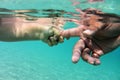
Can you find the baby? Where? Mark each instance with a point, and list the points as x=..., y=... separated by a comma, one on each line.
x=14, y=28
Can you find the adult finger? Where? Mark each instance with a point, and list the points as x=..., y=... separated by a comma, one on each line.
x=97, y=61
x=79, y=46
x=86, y=56
x=97, y=53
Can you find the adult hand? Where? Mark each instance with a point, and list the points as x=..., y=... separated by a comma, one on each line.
x=103, y=31
x=100, y=34
x=80, y=49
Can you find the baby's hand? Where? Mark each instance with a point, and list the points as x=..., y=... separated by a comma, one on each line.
x=51, y=37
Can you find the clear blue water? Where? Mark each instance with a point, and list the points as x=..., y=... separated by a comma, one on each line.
x=34, y=60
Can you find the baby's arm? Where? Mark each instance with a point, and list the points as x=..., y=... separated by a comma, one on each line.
x=40, y=30
x=19, y=30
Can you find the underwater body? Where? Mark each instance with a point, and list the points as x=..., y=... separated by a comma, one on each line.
x=34, y=60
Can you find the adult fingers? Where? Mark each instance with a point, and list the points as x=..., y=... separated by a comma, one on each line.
x=73, y=32
x=92, y=53
x=97, y=61
x=79, y=46
x=88, y=58
x=97, y=51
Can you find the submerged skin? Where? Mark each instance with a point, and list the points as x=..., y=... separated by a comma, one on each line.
x=104, y=32
x=19, y=29
x=96, y=34
x=99, y=33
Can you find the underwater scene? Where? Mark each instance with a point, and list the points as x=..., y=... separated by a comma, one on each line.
x=35, y=60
